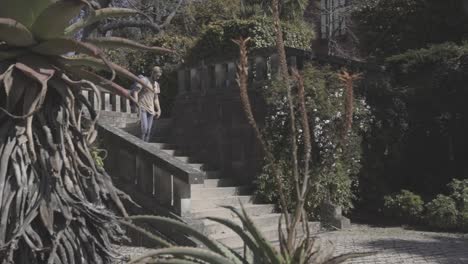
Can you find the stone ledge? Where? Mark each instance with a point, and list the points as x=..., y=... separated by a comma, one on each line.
x=173, y=165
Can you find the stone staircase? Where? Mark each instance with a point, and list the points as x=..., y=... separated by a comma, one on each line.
x=208, y=198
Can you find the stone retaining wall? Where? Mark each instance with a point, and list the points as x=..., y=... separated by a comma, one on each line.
x=150, y=173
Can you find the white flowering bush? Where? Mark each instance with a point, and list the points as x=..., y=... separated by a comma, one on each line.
x=336, y=162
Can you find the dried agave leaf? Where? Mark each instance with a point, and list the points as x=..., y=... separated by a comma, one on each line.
x=14, y=33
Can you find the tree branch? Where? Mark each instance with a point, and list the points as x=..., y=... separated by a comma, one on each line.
x=129, y=23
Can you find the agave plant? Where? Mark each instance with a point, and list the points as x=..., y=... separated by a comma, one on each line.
x=257, y=249
x=55, y=203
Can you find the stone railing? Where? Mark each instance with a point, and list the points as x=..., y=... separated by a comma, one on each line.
x=109, y=102
x=221, y=76
x=148, y=174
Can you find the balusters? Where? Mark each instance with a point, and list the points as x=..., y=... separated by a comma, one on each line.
x=181, y=82
x=231, y=82
x=220, y=76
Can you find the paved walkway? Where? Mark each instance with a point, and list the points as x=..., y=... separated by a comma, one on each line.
x=397, y=245
x=392, y=246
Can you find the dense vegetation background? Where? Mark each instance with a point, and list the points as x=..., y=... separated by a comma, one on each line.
x=411, y=134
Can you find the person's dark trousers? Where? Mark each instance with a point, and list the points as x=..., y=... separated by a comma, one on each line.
x=146, y=125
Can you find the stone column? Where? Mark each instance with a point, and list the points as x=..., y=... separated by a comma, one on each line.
x=231, y=82
x=220, y=76
x=182, y=81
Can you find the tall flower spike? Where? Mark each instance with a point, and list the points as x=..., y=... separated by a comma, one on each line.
x=348, y=80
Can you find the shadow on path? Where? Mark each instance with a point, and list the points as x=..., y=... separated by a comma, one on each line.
x=428, y=249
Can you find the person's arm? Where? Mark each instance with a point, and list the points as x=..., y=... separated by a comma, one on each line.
x=158, y=107
x=136, y=90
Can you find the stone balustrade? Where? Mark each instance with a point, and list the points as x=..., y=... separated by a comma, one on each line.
x=109, y=101
x=222, y=76
x=151, y=176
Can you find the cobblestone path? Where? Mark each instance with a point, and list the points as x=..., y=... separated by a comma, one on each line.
x=392, y=246
x=397, y=245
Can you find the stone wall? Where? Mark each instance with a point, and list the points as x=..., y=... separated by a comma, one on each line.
x=208, y=120
x=152, y=176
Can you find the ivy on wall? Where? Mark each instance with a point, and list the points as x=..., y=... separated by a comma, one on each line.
x=215, y=42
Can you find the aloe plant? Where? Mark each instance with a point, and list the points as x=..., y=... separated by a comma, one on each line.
x=54, y=200
x=257, y=249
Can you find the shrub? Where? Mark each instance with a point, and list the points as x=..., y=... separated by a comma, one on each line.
x=216, y=40
x=463, y=221
x=335, y=168
x=441, y=213
x=405, y=206
x=459, y=192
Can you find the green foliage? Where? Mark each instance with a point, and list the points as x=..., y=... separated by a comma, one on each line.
x=216, y=40
x=393, y=26
x=463, y=220
x=98, y=155
x=419, y=137
x=267, y=188
x=413, y=61
x=203, y=13
x=459, y=192
x=405, y=206
x=441, y=213
x=335, y=166
x=289, y=9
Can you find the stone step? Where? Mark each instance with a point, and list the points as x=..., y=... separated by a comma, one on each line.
x=162, y=145
x=213, y=175
x=170, y=151
x=251, y=209
x=198, y=166
x=217, y=230
x=220, y=192
x=208, y=183
x=203, y=204
x=269, y=233
x=184, y=158
x=159, y=139
x=163, y=122
x=163, y=134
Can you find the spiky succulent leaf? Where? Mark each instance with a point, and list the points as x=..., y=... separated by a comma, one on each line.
x=14, y=33
x=195, y=253
x=159, y=240
x=52, y=22
x=23, y=11
x=345, y=257
x=116, y=42
x=10, y=54
x=246, y=238
x=273, y=256
x=174, y=261
x=97, y=16
x=183, y=228
x=61, y=46
x=97, y=64
x=102, y=82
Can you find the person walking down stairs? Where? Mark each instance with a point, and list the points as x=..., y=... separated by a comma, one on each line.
x=149, y=102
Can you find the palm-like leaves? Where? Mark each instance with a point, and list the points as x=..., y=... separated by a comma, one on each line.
x=53, y=197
